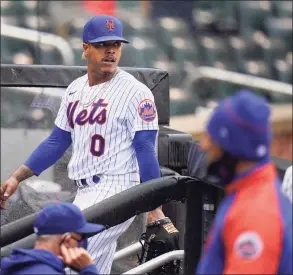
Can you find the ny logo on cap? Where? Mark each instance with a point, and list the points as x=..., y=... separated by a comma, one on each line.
x=110, y=25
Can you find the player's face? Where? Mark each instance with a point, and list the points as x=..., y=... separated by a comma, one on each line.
x=213, y=151
x=103, y=56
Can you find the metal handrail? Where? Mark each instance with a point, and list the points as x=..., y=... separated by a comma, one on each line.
x=40, y=37
x=157, y=262
x=128, y=251
x=197, y=73
x=247, y=80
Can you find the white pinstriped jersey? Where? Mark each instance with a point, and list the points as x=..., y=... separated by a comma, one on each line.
x=103, y=120
x=287, y=183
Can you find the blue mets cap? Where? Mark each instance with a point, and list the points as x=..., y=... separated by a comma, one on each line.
x=240, y=125
x=103, y=28
x=59, y=218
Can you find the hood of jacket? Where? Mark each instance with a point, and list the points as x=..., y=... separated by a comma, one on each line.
x=32, y=261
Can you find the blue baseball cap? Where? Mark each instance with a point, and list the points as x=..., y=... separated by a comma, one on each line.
x=63, y=217
x=240, y=125
x=103, y=28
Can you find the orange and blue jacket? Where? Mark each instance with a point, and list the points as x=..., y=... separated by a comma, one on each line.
x=252, y=231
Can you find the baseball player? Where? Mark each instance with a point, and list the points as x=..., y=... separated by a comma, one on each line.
x=110, y=118
x=252, y=230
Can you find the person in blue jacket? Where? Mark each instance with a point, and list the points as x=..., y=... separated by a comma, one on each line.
x=252, y=230
x=62, y=233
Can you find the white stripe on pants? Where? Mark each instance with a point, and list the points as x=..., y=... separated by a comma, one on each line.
x=102, y=246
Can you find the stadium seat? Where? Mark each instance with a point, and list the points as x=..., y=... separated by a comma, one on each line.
x=169, y=27
x=245, y=49
x=9, y=8
x=206, y=91
x=182, y=102
x=204, y=20
x=252, y=16
x=283, y=71
x=253, y=50
x=10, y=20
x=75, y=27
x=14, y=45
x=138, y=26
x=23, y=58
x=280, y=28
x=211, y=16
x=129, y=5
x=237, y=46
x=176, y=74
x=6, y=56
x=213, y=49
x=141, y=52
x=282, y=8
x=256, y=68
x=273, y=49
x=184, y=49
x=205, y=5
x=289, y=58
x=24, y=8
x=38, y=22
x=49, y=56
x=30, y=7
x=76, y=45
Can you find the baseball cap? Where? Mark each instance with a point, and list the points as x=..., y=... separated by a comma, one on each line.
x=59, y=218
x=103, y=28
x=240, y=125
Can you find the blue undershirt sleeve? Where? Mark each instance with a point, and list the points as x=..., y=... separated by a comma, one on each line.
x=144, y=145
x=49, y=151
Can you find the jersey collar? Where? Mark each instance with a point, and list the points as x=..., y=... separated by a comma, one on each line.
x=258, y=175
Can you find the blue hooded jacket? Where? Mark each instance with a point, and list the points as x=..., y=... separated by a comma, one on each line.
x=36, y=261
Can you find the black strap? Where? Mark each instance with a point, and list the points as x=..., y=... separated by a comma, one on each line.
x=159, y=222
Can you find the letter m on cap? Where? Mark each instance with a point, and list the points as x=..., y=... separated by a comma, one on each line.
x=110, y=25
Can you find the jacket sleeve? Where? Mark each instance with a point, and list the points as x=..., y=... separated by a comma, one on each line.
x=89, y=270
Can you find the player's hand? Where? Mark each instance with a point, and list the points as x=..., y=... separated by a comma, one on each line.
x=76, y=258
x=7, y=189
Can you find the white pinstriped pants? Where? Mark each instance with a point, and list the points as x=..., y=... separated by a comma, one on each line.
x=102, y=246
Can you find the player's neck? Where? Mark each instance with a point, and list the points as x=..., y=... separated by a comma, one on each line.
x=48, y=246
x=96, y=78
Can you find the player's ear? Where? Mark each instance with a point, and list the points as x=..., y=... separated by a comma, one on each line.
x=85, y=50
x=67, y=241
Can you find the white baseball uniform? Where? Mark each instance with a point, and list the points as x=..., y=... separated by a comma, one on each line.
x=287, y=183
x=102, y=120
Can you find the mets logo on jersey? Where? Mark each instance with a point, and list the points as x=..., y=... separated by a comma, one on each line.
x=147, y=110
x=249, y=245
x=110, y=25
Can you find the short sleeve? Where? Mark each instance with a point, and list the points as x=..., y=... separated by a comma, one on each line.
x=61, y=120
x=142, y=112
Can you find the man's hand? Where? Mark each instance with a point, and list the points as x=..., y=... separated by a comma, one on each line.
x=155, y=215
x=76, y=258
x=7, y=189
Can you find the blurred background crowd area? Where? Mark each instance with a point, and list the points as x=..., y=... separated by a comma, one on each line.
x=248, y=37
x=251, y=37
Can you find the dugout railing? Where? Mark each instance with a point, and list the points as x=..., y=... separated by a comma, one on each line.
x=191, y=217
